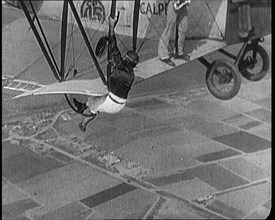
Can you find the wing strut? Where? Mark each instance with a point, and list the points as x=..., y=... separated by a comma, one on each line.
x=40, y=42
x=45, y=39
x=87, y=41
x=135, y=23
x=63, y=39
x=112, y=15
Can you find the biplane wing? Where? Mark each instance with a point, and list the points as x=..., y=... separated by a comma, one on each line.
x=209, y=32
x=84, y=87
x=144, y=70
x=154, y=66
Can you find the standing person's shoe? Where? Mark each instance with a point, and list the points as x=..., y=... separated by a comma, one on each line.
x=80, y=106
x=183, y=56
x=168, y=61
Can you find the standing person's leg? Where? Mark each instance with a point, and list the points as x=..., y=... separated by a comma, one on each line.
x=247, y=17
x=244, y=19
x=182, y=23
x=163, y=46
x=240, y=18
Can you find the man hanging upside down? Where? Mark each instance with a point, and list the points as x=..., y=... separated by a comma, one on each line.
x=119, y=82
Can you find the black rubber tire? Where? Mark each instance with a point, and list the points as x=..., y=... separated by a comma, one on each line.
x=245, y=73
x=235, y=76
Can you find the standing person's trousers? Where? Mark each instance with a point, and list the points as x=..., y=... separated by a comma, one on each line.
x=173, y=18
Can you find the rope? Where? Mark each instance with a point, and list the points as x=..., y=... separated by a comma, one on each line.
x=143, y=41
x=82, y=51
x=160, y=35
x=70, y=40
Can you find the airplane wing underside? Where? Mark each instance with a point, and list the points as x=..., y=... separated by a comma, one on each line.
x=154, y=66
x=85, y=87
x=144, y=70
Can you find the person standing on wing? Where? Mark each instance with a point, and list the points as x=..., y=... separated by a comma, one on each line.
x=244, y=14
x=177, y=13
x=119, y=83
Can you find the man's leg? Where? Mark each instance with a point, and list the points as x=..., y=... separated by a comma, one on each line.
x=81, y=107
x=182, y=24
x=163, y=46
x=84, y=123
x=92, y=104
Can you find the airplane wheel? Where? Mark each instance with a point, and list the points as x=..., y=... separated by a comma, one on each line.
x=223, y=79
x=256, y=68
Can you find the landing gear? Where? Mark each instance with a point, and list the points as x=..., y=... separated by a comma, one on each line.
x=254, y=62
x=223, y=79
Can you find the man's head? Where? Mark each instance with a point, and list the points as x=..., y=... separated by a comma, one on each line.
x=132, y=58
